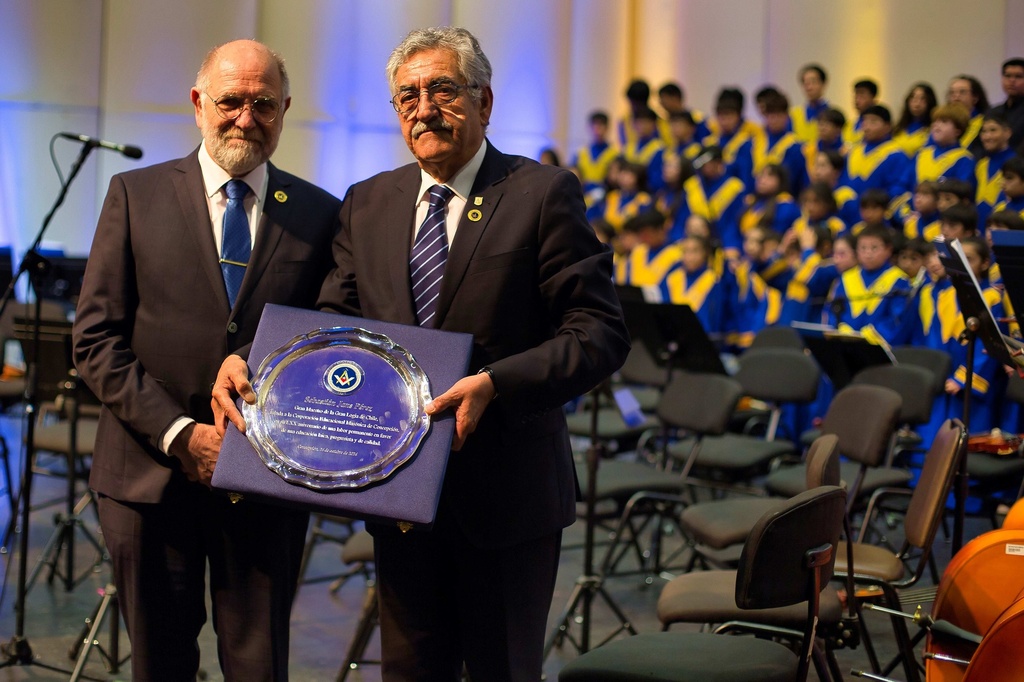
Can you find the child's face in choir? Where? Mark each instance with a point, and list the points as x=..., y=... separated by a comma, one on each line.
x=767, y=184
x=843, y=256
x=872, y=214
x=872, y=253
x=823, y=171
x=925, y=202
x=934, y=266
x=917, y=103
x=862, y=99
x=753, y=245
x=979, y=266
x=813, y=207
x=814, y=88
x=728, y=121
x=694, y=255
x=875, y=129
x=682, y=131
x=776, y=122
x=994, y=137
x=951, y=230
x=945, y=133
x=599, y=130
x=909, y=262
x=1013, y=185
x=945, y=200
x=627, y=180
x=827, y=131
x=696, y=226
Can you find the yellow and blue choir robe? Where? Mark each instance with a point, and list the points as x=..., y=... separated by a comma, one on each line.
x=786, y=213
x=627, y=133
x=738, y=150
x=876, y=165
x=617, y=207
x=804, y=119
x=685, y=150
x=927, y=226
x=703, y=292
x=912, y=139
x=721, y=202
x=647, y=266
x=834, y=224
x=848, y=204
x=809, y=287
x=592, y=163
x=852, y=133
x=971, y=140
x=934, y=162
x=649, y=153
x=751, y=304
x=1005, y=204
x=988, y=174
x=785, y=150
x=873, y=302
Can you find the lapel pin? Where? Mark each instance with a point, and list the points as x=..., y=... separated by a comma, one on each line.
x=478, y=201
x=475, y=215
x=280, y=196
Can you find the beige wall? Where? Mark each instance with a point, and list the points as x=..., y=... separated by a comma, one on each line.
x=121, y=70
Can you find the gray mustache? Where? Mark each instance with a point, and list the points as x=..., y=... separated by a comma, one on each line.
x=433, y=124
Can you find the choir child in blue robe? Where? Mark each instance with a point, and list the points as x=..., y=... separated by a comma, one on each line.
x=830, y=168
x=715, y=195
x=813, y=81
x=626, y=199
x=647, y=148
x=872, y=298
x=697, y=285
x=873, y=206
x=652, y=256
x=771, y=203
x=672, y=99
x=813, y=277
x=876, y=161
x=968, y=92
x=914, y=124
x=638, y=95
x=943, y=157
x=818, y=209
x=1012, y=197
x=593, y=160
x=779, y=144
x=686, y=136
x=923, y=221
x=959, y=222
x=865, y=96
x=735, y=136
x=988, y=172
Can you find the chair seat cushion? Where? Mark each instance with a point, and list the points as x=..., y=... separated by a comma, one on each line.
x=710, y=597
x=57, y=437
x=721, y=523
x=879, y=563
x=610, y=424
x=733, y=452
x=679, y=657
x=790, y=481
x=358, y=548
x=983, y=466
x=618, y=479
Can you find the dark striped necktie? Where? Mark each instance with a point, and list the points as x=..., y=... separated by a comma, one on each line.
x=236, y=242
x=429, y=254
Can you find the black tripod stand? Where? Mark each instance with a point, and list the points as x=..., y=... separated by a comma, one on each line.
x=88, y=638
x=590, y=584
x=18, y=650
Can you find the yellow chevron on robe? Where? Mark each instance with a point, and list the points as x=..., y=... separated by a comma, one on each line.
x=711, y=209
x=860, y=165
x=694, y=295
x=863, y=299
x=931, y=167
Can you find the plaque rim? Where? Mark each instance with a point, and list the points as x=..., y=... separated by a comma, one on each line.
x=385, y=348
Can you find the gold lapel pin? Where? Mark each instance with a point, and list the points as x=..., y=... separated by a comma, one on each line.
x=280, y=196
x=478, y=201
x=475, y=215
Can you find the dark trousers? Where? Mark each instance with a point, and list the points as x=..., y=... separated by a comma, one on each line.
x=444, y=602
x=160, y=552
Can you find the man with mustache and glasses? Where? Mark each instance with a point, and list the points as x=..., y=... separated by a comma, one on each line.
x=185, y=256
x=520, y=269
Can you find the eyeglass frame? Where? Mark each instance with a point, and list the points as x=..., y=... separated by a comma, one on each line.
x=245, y=103
x=430, y=97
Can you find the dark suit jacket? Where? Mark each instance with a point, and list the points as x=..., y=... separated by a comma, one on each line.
x=153, y=323
x=532, y=284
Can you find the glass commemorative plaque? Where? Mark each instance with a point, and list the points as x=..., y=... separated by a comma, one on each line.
x=338, y=408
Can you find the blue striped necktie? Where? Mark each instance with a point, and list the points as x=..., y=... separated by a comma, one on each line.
x=429, y=254
x=236, y=243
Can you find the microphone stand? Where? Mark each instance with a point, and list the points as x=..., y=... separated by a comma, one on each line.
x=961, y=485
x=18, y=651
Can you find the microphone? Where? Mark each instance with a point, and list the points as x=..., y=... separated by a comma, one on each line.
x=128, y=150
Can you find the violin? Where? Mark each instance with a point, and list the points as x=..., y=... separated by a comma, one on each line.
x=994, y=443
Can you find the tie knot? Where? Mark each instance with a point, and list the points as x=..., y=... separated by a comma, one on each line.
x=236, y=189
x=439, y=195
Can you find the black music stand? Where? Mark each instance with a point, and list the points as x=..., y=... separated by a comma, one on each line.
x=979, y=324
x=841, y=355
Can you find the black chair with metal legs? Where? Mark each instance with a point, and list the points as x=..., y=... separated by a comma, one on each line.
x=357, y=553
x=787, y=558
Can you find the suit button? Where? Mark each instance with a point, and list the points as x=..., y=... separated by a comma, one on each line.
x=232, y=328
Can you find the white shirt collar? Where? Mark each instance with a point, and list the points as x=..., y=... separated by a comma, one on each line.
x=462, y=182
x=214, y=177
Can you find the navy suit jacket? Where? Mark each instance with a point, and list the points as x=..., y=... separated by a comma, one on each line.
x=527, y=277
x=153, y=323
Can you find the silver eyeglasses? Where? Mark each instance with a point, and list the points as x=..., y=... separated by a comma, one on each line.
x=230, y=107
x=439, y=93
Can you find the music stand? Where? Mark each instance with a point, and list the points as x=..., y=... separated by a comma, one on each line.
x=979, y=323
x=841, y=355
